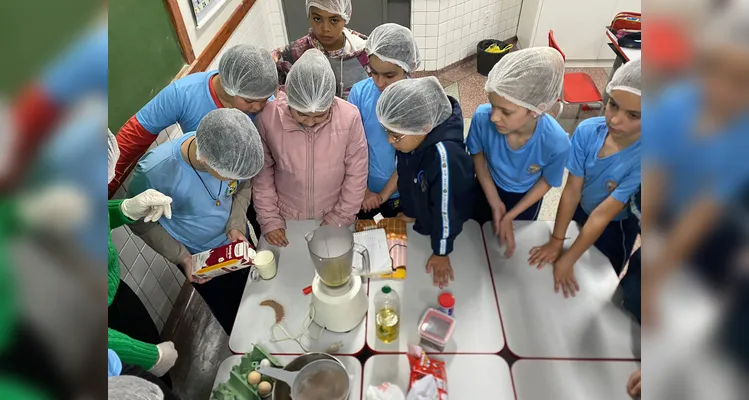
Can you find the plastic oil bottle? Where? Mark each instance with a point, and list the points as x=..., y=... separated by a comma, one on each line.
x=387, y=317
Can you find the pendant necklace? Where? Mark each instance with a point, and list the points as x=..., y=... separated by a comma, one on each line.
x=221, y=185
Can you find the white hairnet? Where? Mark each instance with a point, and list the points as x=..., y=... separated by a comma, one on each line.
x=113, y=155
x=310, y=85
x=338, y=7
x=132, y=388
x=531, y=78
x=248, y=72
x=395, y=44
x=628, y=78
x=228, y=142
x=413, y=106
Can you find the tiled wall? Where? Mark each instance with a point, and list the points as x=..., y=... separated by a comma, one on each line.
x=156, y=281
x=447, y=31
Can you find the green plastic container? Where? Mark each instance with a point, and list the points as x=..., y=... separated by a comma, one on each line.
x=237, y=387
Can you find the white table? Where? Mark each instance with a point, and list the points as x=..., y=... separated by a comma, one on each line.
x=469, y=376
x=295, y=272
x=353, y=366
x=478, y=328
x=572, y=380
x=626, y=53
x=541, y=323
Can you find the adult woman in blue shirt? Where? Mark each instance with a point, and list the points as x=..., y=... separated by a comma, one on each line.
x=393, y=56
x=519, y=151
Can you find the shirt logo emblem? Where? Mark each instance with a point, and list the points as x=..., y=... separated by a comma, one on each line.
x=231, y=188
x=611, y=185
x=534, y=168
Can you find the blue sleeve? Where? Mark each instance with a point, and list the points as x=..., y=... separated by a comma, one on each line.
x=162, y=111
x=114, y=365
x=353, y=96
x=554, y=171
x=445, y=175
x=577, y=153
x=629, y=185
x=473, y=142
x=82, y=69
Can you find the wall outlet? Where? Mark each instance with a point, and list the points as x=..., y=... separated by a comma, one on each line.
x=487, y=18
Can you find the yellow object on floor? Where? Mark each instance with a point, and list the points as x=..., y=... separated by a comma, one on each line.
x=494, y=49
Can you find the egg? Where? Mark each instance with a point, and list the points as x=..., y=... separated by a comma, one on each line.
x=265, y=363
x=264, y=388
x=254, y=377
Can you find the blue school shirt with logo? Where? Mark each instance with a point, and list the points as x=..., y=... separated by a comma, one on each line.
x=185, y=102
x=516, y=171
x=695, y=165
x=364, y=95
x=617, y=175
x=196, y=220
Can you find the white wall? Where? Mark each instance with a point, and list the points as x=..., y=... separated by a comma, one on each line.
x=447, y=31
x=156, y=281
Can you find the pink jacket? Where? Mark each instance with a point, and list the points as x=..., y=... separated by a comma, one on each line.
x=313, y=173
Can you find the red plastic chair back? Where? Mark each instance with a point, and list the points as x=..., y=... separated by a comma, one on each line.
x=553, y=44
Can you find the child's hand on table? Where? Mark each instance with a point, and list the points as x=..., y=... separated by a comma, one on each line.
x=277, y=238
x=546, y=254
x=564, y=277
x=443, y=271
x=507, y=235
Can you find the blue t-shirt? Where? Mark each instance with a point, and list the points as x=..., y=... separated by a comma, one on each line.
x=695, y=165
x=197, y=222
x=516, y=171
x=617, y=175
x=364, y=95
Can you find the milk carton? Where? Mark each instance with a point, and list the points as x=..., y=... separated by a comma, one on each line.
x=223, y=259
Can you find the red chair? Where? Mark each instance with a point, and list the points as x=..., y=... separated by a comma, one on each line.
x=578, y=87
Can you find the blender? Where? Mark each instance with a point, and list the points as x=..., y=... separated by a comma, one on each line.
x=339, y=298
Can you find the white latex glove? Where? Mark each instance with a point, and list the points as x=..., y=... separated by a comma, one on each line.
x=167, y=358
x=149, y=205
x=58, y=208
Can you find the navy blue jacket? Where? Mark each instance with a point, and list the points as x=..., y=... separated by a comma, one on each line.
x=436, y=183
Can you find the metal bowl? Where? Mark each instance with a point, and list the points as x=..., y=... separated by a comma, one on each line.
x=282, y=391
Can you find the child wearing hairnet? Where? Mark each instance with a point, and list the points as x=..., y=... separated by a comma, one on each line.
x=207, y=174
x=246, y=79
x=315, y=153
x=604, y=173
x=435, y=173
x=132, y=335
x=393, y=56
x=518, y=149
x=343, y=48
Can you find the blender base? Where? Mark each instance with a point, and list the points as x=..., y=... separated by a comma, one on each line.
x=340, y=313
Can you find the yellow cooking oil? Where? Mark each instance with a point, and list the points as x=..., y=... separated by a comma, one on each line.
x=387, y=314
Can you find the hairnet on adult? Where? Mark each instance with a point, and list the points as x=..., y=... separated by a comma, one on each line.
x=530, y=78
x=628, y=78
x=127, y=387
x=395, y=44
x=229, y=143
x=113, y=154
x=249, y=72
x=338, y=7
x=413, y=106
x=310, y=85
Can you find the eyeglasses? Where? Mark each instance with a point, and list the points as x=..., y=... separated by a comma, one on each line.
x=397, y=137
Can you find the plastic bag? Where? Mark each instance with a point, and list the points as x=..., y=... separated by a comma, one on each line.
x=386, y=391
x=421, y=367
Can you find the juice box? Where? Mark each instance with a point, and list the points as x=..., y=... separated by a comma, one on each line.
x=223, y=259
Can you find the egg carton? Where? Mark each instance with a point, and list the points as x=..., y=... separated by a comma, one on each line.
x=237, y=387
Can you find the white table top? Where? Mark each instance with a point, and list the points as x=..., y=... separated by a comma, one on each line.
x=572, y=380
x=630, y=54
x=469, y=376
x=353, y=366
x=295, y=272
x=478, y=328
x=541, y=323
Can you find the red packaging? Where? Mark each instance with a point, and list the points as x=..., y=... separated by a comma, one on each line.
x=223, y=259
x=422, y=365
